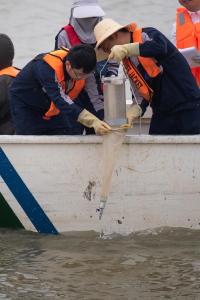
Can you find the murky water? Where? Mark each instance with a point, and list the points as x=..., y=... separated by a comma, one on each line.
x=163, y=264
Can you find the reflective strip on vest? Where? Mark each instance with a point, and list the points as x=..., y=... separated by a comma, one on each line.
x=55, y=60
x=148, y=64
x=143, y=88
x=187, y=35
x=10, y=71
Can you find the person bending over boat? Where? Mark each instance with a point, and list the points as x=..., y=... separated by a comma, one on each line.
x=158, y=73
x=45, y=92
x=7, y=73
x=85, y=14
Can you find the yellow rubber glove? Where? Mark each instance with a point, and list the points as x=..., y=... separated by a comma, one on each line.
x=119, y=52
x=133, y=113
x=89, y=120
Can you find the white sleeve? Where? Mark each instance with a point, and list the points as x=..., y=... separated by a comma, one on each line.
x=93, y=93
x=63, y=40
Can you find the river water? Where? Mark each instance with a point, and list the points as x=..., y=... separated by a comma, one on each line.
x=158, y=264
x=33, y=24
x=162, y=264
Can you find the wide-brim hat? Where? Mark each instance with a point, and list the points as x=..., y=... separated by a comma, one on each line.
x=105, y=28
x=87, y=9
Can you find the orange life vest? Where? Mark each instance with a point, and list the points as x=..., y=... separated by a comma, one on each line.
x=187, y=35
x=55, y=60
x=10, y=71
x=148, y=64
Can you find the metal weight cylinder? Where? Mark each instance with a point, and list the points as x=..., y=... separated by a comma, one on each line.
x=114, y=100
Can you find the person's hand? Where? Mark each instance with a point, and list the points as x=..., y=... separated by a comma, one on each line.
x=101, y=127
x=133, y=113
x=125, y=126
x=89, y=120
x=119, y=52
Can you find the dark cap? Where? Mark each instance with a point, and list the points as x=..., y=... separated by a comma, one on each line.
x=6, y=51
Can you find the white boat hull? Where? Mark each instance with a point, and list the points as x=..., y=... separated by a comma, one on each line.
x=155, y=183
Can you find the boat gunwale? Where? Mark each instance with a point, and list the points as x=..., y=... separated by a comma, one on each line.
x=80, y=139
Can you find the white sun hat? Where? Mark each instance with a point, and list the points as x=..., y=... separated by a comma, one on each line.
x=105, y=29
x=87, y=9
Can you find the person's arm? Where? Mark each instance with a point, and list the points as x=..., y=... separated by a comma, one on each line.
x=112, y=68
x=92, y=90
x=157, y=46
x=62, y=40
x=49, y=82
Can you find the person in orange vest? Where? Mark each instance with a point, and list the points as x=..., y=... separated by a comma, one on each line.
x=186, y=31
x=7, y=73
x=44, y=94
x=158, y=74
x=85, y=14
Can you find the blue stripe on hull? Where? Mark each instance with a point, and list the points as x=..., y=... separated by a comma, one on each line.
x=24, y=197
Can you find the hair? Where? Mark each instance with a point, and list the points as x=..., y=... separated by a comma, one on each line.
x=6, y=51
x=123, y=30
x=82, y=57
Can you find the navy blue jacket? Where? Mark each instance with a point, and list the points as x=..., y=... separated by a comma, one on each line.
x=175, y=89
x=36, y=85
x=31, y=93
